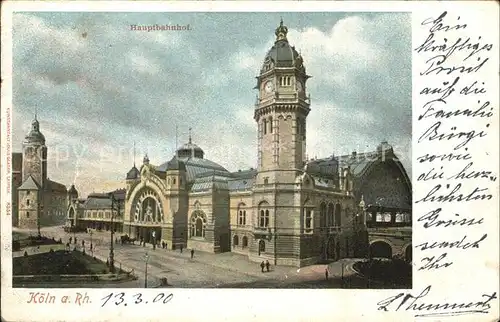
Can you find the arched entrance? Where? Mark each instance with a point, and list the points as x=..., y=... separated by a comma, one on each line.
x=244, y=242
x=380, y=249
x=235, y=240
x=262, y=246
x=408, y=254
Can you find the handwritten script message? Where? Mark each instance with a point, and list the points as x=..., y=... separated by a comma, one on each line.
x=454, y=117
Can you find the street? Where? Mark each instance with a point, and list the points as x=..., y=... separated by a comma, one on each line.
x=205, y=270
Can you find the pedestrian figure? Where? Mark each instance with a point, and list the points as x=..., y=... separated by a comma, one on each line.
x=91, y=246
x=192, y=253
x=70, y=239
x=326, y=273
x=166, y=245
x=267, y=265
x=181, y=248
x=262, y=265
x=83, y=243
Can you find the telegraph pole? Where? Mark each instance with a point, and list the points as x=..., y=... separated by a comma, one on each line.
x=111, y=251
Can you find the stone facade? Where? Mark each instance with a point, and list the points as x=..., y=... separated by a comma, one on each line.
x=289, y=210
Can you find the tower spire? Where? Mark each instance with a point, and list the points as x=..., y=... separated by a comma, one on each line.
x=190, y=141
x=176, y=141
x=134, y=154
x=36, y=108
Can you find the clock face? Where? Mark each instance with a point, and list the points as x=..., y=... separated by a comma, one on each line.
x=268, y=86
x=299, y=86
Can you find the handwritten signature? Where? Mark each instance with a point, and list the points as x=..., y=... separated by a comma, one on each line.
x=410, y=302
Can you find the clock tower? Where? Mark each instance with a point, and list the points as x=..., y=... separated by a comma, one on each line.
x=281, y=111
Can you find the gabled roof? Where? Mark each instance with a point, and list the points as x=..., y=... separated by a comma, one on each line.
x=29, y=184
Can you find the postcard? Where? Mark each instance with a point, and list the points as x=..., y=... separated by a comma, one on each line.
x=301, y=161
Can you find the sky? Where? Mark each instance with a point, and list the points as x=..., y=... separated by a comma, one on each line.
x=97, y=86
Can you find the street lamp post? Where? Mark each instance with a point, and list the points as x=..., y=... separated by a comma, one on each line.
x=91, y=245
x=146, y=272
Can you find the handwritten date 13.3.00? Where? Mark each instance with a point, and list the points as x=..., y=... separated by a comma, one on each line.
x=125, y=299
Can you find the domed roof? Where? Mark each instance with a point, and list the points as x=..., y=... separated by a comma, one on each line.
x=175, y=164
x=133, y=173
x=72, y=191
x=282, y=54
x=35, y=136
x=190, y=150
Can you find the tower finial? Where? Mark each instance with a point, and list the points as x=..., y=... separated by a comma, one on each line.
x=281, y=31
x=36, y=110
x=190, y=141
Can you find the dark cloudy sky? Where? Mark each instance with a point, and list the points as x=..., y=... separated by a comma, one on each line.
x=98, y=86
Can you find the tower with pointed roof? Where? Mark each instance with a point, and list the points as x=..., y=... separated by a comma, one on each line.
x=35, y=154
x=34, y=177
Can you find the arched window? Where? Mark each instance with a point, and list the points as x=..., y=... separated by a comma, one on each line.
x=263, y=217
x=173, y=181
x=322, y=215
x=264, y=126
x=235, y=240
x=308, y=220
x=330, y=215
x=242, y=214
x=244, y=242
x=338, y=215
x=271, y=124
x=198, y=224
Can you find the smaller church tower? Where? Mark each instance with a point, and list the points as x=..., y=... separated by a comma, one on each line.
x=35, y=155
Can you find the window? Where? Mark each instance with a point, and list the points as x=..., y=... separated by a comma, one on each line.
x=308, y=220
x=264, y=125
x=242, y=217
x=174, y=181
x=27, y=202
x=270, y=125
x=266, y=180
x=264, y=218
x=330, y=215
x=27, y=214
x=198, y=224
x=235, y=240
x=322, y=215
